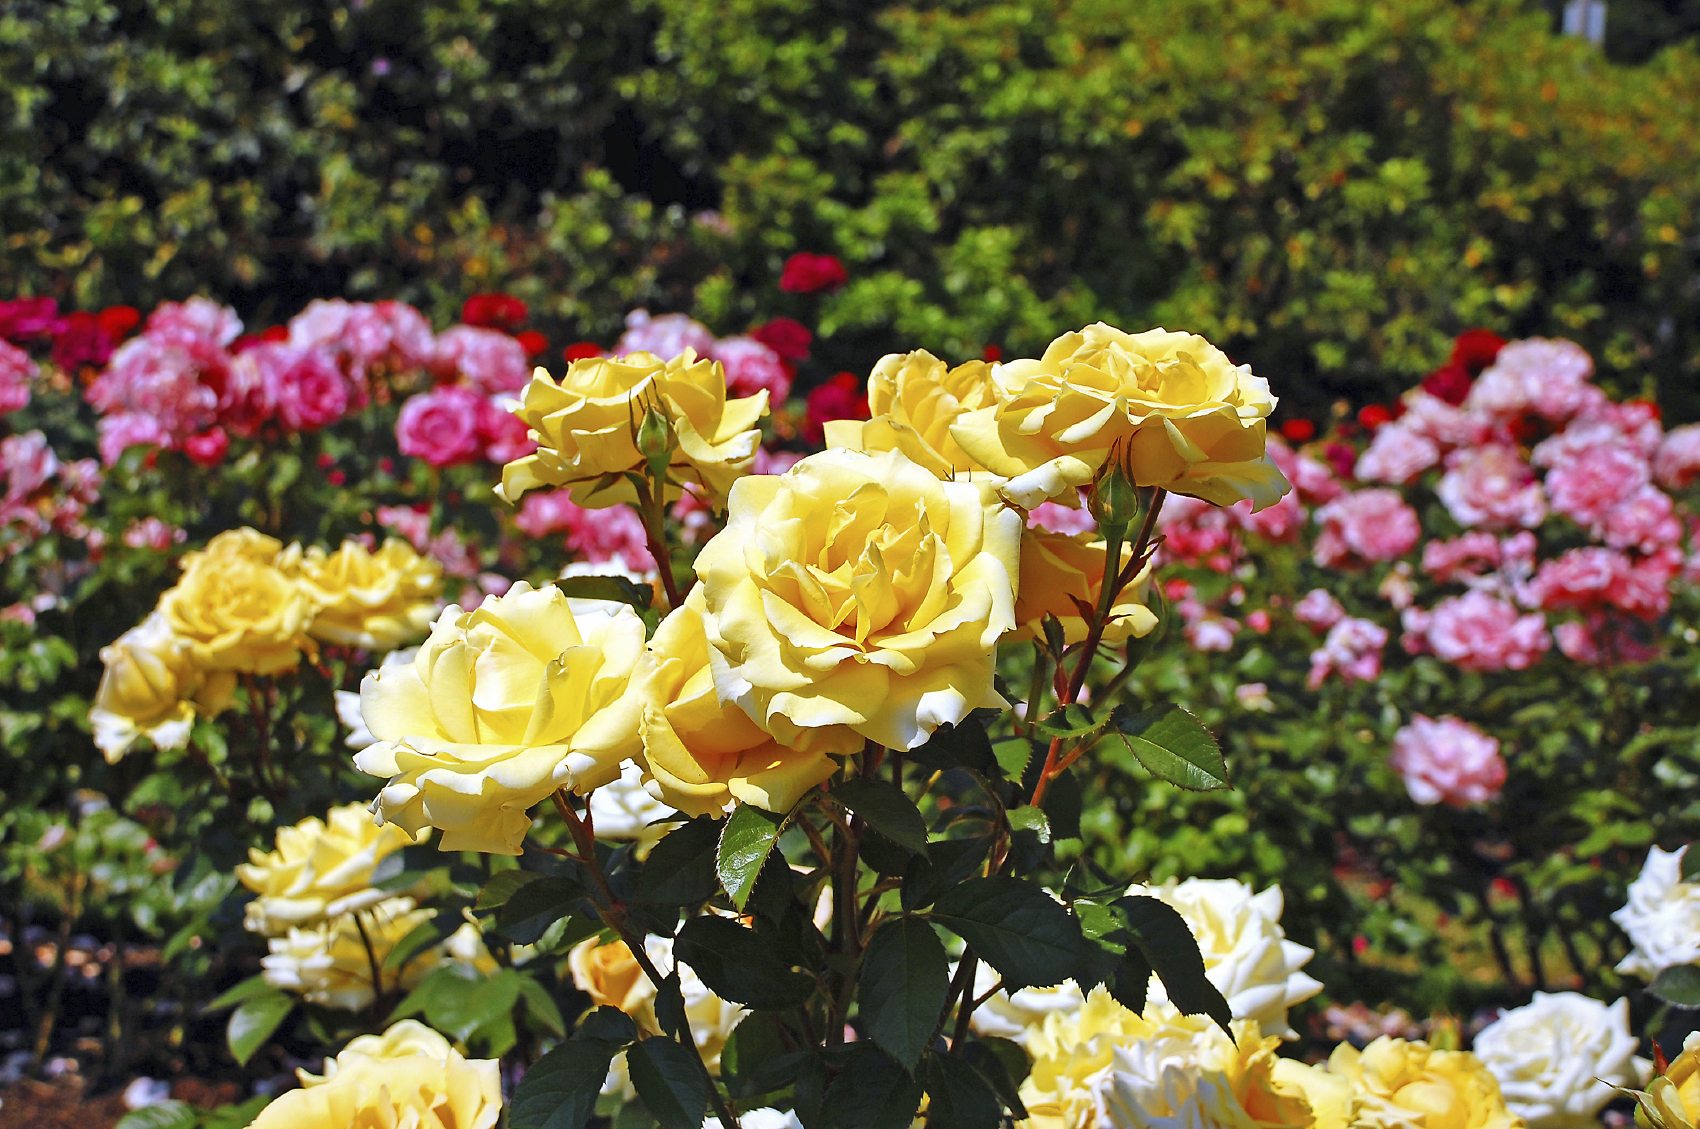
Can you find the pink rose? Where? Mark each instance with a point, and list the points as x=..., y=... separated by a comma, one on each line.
x=118, y=433
x=1677, y=462
x=666, y=336
x=1352, y=650
x=300, y=387
x=1365, y=527
x=1538, y=376
x=1058, y=518
x=1481, y=631
x=16, y=373
x=207, y=448
x=486, y=359
x=504, y=435
x=1595, y=479
x=1645, y=520
x=1447, y=761
x=198, y=317
x=1313, y=480
x=1603, y=640
x=1592, y=578
x=1319, y=610
x=441, y=426
x=1491, y=487
x=752, y=367
x=1397, y=454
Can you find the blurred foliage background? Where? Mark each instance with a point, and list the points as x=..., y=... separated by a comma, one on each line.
x=1328, y=188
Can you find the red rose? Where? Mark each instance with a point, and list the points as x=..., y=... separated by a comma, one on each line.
x=789, y=338
x=809, y=274
x=842, y=397
x=992, y=354
x=1373, y=416
x=581, y=350
x=1298, y=430
x=1449, y=382
x=207, y=448
x=119, y=320
x=493, y=311
x=532, y=342
x=82, y=340
x=1475, y=349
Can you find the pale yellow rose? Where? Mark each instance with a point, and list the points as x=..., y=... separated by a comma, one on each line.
x=328, y=963
x=151, y=688
x=500, y=707
x=859, y=597
x=1330, y=1097
x=319, y=868
x=379, y=601
x=585, y=426
x=1190, y=420
x=704, y=755
x=236, y=609
x=397, y=1081
x=1072, y=1054
x=913, y=399
x=1401, y=1083
x=1059, y=568
x=610, y=975
x=1672, y=1100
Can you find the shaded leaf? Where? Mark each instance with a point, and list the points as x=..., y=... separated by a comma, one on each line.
x=948, y=863
x=252, y=1023
x=957, y=1096
x=904, y=980
x=560, y=1089
x=736, y=967
x=1162, y=936
x=680, y=870
x=618, y=589
x=872, y=1091
x=1015, y=927
x=669, y=1080
x=1678, y=986
x=885, y=808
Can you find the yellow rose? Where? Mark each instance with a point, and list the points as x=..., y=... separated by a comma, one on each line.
x=150, y=688
x=1672, y=1100
x=401, y=1080
x=1329, y=1097
x=379, y=601
x=704, y=755
x=499, y=708
x=1193, y=422
x=913, y=399
x=327, y=962
x=1402, y=1082
x=610, y=975
x=236, y=609
x=319, y=868
x=585, y=426
x=858, y=596
x=1059, y=568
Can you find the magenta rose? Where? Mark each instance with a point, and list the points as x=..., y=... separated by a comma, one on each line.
x=441, y=426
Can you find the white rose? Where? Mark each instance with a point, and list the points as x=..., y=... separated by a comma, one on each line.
x=328, y=963
x=1662, y=917
x=623, y=810
x=765, y=1118
x=1246, y=952
x=1558, y=1058
x=1010, y=1015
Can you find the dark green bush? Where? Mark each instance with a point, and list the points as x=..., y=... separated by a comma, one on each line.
x=1329, y=188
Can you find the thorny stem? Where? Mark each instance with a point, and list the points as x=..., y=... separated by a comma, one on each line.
x=653, y=508
x=612, y=911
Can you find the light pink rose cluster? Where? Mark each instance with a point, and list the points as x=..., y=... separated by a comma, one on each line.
x=1351, y=651
x=751, y=365
x=486, y=360
x=1480, y=630
x=42, y=493
x=614, y=534
x=1676, y=463
x=1365, y=527
x=1447, y=761
x=1492, y=487
x=168, y=383
x=455, y=423
x=17, y=373
x=1539, y=377
x=366, y=338
x=1319, y=610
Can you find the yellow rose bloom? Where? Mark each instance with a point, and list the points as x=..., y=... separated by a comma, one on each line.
x=319, y=868
x=1192, y=420
x=497, y=709
x=1330, y=1097
x=1059, y=568
x=379, y=601
x=236, y=609
x=610, y=975
x=585, y=426
x=327, y=963
x=1672, y=1100
x=1402, y=1082
x=705, y=755
x=151, y=688
x=404, y=1079
x=858, y=597
x=913, y=398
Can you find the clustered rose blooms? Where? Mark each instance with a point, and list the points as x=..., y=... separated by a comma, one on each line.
x=1448, y=761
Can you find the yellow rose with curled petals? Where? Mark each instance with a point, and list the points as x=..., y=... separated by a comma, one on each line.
x=1192, y=421
x=913, y=398
x=611, y=976
x=151, y=688
x=704, y=755
x=497, y=709
x=236, y=609
x=1059, y=568
x=858, y=597
x=586, y=425
x=327, y=962
x=318, y=868
x=1402, y=1082
x=379, y=601
x=408, y=1078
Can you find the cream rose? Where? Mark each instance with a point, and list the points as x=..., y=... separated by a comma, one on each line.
x=913, y=398
x=1191, y=420
x=151, y=688
x=1186, y=1071
x=408, y=1077
x=609, y=974
x=1557, y=1059
x=1400, y=1083
x=318, y=869
x=378, y=601
x=500, y=707
x=585, y=426
x=1662, y=916
x=236, y=609
x=1058, y=568
x=858, y=597
x=1246, y=952
x=327, y=962
x=705, y=756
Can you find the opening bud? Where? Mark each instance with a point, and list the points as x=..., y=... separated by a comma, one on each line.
x=1114, y=499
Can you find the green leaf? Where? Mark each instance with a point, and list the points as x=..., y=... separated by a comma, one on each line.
x=957, y=746
x=1015, y=927
x=669, y=1079
x=503, y=886
x=165, y=1115
x=957, y=1096
x=948, y=863
x=421, y=936
x=737, y=967
x=242, y=990
x=904, y=980
x=1163, y=938
x=559, y=1091
x=756, y=1059
x=1173, y=745
x=1130, y=981
x=1678, y=986
x=253, y=1022
x=1004, y=1066
x=1072, y=721
x=464, y=1005
x=535, y=906
x=670, y=1006
x=617, y=589
x=1013, y=755
x=541, y=1006
x=1029, y=818
x=887, y=810
x=745, y=843
x=872, y=1091
x=680, y=869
